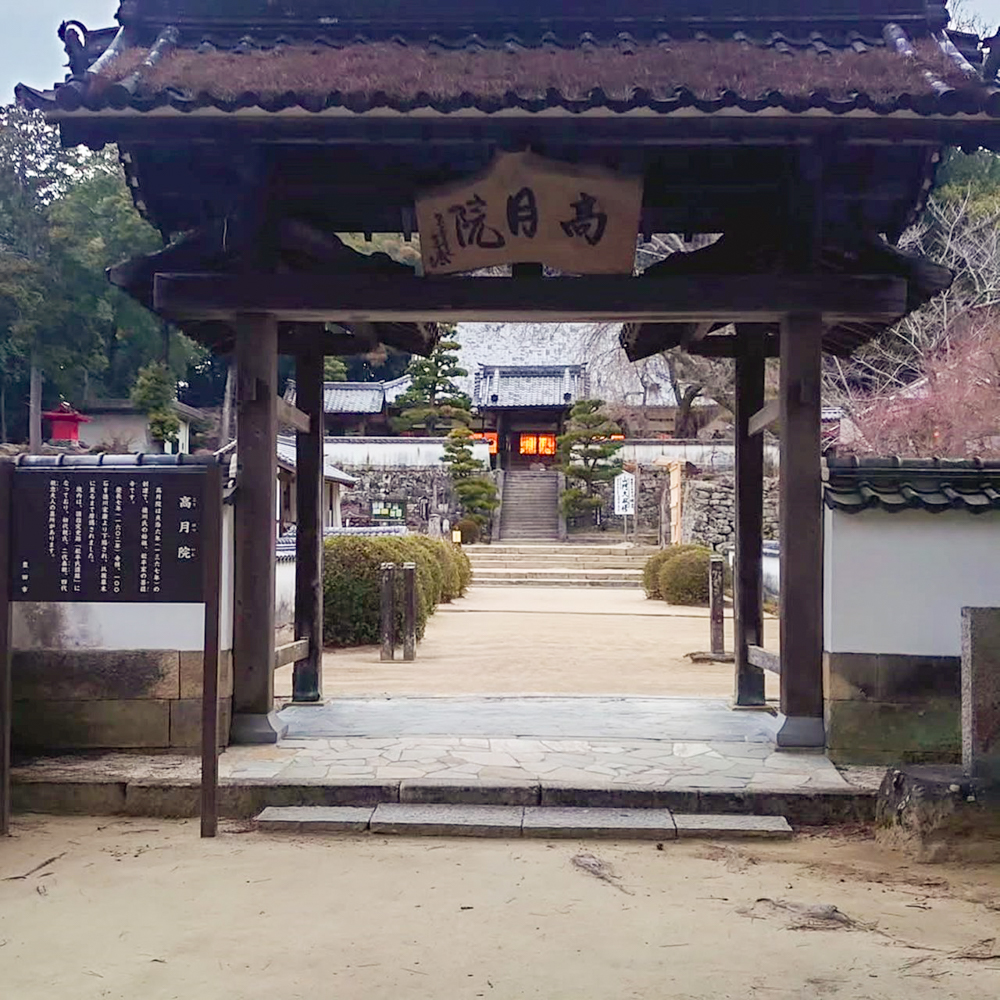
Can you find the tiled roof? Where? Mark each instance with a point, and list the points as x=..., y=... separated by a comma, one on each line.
x=353, y=397
x=286, y=456
x=542, y=385
x=852, y=485
x=610, y=376
x=669, y=61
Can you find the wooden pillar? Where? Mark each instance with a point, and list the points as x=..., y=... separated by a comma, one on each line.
x=255, y=529
x=801, y=534
x=748, y=586
x=307, y=673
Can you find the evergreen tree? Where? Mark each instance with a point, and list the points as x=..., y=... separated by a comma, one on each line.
x=433, y=401
x=477, y=495
x=154, y=393
x=334, y=369
x=587, y=456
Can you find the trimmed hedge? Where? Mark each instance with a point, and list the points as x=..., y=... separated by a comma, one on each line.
x=651, y=571
x=352, y=583
x=684, y=579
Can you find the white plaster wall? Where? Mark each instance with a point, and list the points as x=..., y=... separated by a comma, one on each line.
x=284, y=593
x=896, y=583
x=112, y=626
x=131, y=430
x=393, y=452
x=704, y=454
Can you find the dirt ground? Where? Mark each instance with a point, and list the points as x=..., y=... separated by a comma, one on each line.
x=144, y=909
x=540, y=640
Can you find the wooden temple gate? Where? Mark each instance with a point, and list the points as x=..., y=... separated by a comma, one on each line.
x=251, y=135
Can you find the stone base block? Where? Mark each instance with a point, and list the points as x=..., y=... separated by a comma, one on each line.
x=91, y=725
x=185, y=723
x=95, y=675
x=939, y=814
x=69, y=798
x=863, y=732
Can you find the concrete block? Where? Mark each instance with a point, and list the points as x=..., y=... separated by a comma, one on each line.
x=315, y=819
x=448, y=821
x=91, y=725
x=192, y=669
x=614, y=824
x=981, y=692
x=729, y=825
x=69, y=798
x=617, y=796
x=95, y=675
x=485, y=793
x=185, y=722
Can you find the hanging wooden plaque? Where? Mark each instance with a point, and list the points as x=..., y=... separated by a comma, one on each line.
x=525, y=208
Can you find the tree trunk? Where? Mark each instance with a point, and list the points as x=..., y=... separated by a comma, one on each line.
x=35, y=410
x=226, y=421
x=3, y=410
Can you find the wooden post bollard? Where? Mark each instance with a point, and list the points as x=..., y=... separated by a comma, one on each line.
x=388, y=631
x=409, y=611
x=716, y=604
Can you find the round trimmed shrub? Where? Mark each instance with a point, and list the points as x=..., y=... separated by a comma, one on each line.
x=684, y=579
x=471, y=532
x=651, y=571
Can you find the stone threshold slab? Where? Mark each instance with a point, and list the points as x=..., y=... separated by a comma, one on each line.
x=518, y=821
x=167, y=797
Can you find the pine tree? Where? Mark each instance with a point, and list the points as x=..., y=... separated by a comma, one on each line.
x=477, y=495
x=433, y=401
x=587, y=456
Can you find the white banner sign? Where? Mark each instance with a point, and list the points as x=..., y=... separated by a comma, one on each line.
x=624, y=494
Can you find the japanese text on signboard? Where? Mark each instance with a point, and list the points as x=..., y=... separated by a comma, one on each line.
x=91, y=534
x=525, y=208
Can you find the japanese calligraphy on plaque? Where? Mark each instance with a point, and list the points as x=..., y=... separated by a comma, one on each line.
x=527, y=209
x=95, y=534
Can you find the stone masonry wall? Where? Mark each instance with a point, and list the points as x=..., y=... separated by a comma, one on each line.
x=708, y=511
x=418, y=487
x=654, y=483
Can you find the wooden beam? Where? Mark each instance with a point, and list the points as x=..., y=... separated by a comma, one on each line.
x=291, y=652
x=801, y=533
x=696, y=334
x=6, y=689
x=292, y=416
x=353, y=298
x=255, y=526
x=307, y=675
x=769, y=413
x=764, y=660
x=748, y=590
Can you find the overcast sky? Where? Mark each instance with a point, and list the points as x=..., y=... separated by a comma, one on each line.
x=30, y=51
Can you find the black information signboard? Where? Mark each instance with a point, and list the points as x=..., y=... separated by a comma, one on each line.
x=93, y=533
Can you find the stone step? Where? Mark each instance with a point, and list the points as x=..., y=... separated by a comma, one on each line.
x=570, y=549
x=484, y=573
x=543, y=561
x=458, y=820
x=555, y=582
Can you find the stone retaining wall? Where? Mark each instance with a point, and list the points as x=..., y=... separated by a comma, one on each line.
x=708, y=511
x=652, y=503
x=426, y=491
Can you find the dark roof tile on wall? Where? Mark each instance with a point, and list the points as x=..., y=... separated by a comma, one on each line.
x=852, y=485
x=504, y=387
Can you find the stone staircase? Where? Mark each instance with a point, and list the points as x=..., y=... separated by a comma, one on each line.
x=530, y=508
x=557, y=565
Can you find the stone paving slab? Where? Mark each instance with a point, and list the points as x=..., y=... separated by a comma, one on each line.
x=448, y=820
x=315, y=819
x=731, y=826
x=621, y=824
